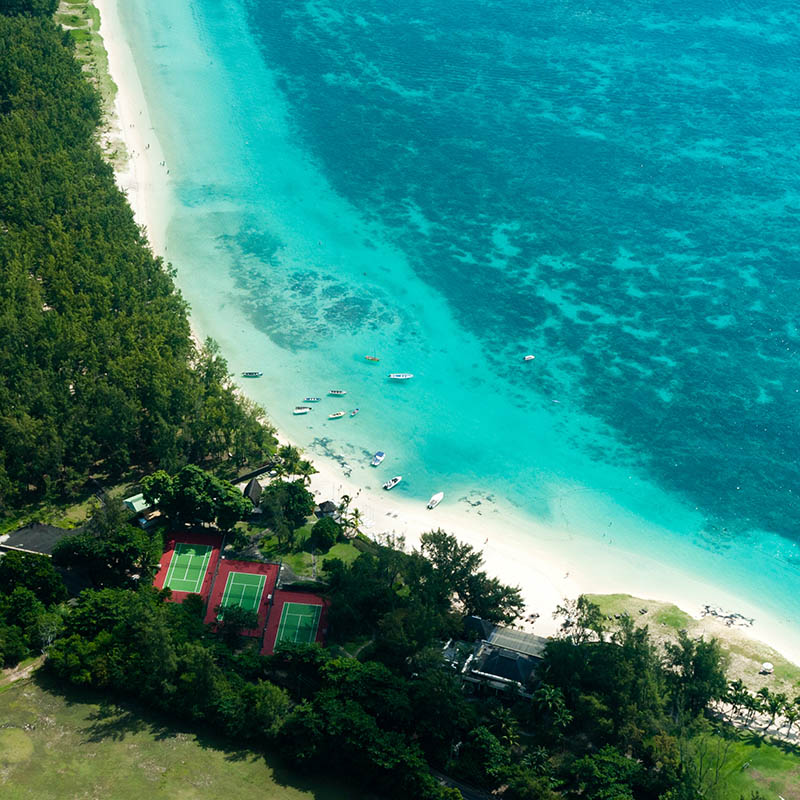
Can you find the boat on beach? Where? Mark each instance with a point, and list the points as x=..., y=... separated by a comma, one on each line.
x=252, y=374
x=377, y=458
x=435, y=500
x=301, y=410
x=336, y=415
x=401, y=376
x=337, y=392
x=311, y=399
x=392, y=482
x=354, y=412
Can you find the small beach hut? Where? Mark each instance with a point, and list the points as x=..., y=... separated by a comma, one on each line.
x=136, y=503
x=327, y=509
x=253, y=492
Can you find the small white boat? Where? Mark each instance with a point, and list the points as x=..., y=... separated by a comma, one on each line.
x=354, y=412
x=336, y=415
x=377, y=458
x=528, y=358
x=301, y=410
x=435, y=500
x=338, y=392
x=252, y=374
x=392, y=482
x=311, y=399
x=401, y=376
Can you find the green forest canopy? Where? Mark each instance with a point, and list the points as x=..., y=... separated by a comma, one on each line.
x=97, y=366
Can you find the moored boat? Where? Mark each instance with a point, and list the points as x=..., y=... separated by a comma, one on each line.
x=311, y=399
x=392, y=482
x=301, y=410
x=372, y=358
x=252, y=374
x=354, y=412
x=336, y=415
x=401, y=376
x=337, y=392
x=435, y=500
x=528, y=358
x=377, y=458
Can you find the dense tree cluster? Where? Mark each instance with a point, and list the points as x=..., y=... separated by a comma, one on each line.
x=30, y=617
x=111, y=550
x=194, y=495
x=97, y=366
x=407, y=602
x=33, y=8
x=286, y=505
x=134, y=643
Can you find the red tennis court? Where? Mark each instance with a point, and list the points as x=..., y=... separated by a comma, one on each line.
x=283, y=598
x=229, y=589
x=177, y=542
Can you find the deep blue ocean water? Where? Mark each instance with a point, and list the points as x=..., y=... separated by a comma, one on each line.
x=452, y=185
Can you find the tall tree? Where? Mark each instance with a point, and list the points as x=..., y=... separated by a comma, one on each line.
x=33, y=572
x=696, y=673
x=194, y=495
x=114, y=552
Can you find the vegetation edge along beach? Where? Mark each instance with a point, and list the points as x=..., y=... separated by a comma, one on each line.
x=103, y=389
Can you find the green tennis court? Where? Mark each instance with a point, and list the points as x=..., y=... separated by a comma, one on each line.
x=244, y=590
x=187, y=567
x=298, y=623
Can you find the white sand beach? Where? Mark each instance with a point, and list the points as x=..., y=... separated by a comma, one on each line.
x=548, y=564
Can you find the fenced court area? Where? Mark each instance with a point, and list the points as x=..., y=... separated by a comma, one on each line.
x=188, y=564
x=299, y=623
x=248, y=584
x=187, y=567
x=243, y=590
x=295, y=616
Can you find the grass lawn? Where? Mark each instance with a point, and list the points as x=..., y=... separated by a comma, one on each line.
x=300, y=559
x=70, y=514
x=746, y=654
x=65, y=744
x=752, y=764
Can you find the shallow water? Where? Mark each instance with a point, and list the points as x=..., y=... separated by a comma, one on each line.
x=452, y=185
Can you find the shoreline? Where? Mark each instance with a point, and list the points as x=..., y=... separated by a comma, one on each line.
x=517, y=549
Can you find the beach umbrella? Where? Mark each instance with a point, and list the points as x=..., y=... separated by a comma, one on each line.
x=767, y=667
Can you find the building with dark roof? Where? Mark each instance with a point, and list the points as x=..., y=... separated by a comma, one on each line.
x=503, y=659
x=500, y=669
x=253, y=492
x=326, y=509
x=477, y=628
x=35, y=538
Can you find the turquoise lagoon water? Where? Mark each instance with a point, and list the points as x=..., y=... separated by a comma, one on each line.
x=451, y=185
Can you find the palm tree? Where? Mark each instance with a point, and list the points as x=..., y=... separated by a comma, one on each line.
x=792, y=715
x=503, y=724
x=775, y=704
x=763, y=695
x=354, y=523
x=735, y=696
x=752, y=704
x=562, y=717
x=305, y=469
x=290, y=456
x=279, y=468
x=548, y=698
